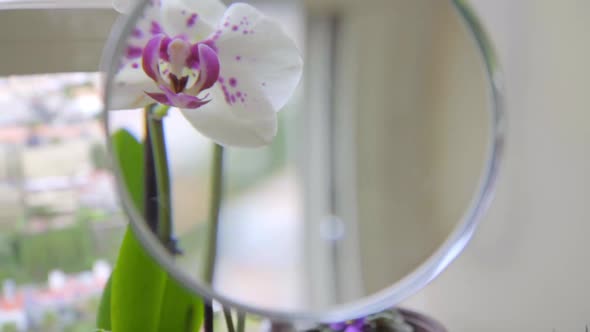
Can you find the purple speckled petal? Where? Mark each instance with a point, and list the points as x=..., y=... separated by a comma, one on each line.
x=194, y=19
x=182, y=100
x=164, y=48
x=159, y=97
x=151, y=58
x=251, y=123
x=210, y=68
x=264, y=59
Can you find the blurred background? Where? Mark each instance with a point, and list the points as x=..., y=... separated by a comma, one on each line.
x=525, y=270
x=60, y=220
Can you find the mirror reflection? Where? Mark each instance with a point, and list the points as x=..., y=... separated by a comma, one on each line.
x=377, y=157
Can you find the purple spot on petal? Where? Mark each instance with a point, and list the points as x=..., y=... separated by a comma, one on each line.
x=137, y=33
x=155, y=28
x=226, y=94
x=234, y=28
x=135, y=65
x=239, y=94
x=245, y=32
x=133, y=52
x=221, y=80
x=233, y=99
x=238, y=58
x=233, y=82
x=191, y=20
x=226, y=24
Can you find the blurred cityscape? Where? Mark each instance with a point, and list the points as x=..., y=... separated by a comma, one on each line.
x=60, y=224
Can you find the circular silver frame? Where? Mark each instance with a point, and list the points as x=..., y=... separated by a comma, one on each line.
x=395, y=293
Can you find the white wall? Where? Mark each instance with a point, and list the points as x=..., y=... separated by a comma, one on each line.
x=527, y=269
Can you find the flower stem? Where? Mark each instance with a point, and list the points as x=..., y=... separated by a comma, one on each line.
x=208, y=319
x=162, y=174
x=241, y=322
x=214, y=207
x=228, y=320
x=150, y=210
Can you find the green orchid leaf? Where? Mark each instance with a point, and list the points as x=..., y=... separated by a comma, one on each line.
x=181, y=310
x=142, y=296
x=138, y=285
x=103, y=317
x=137, y=289
x=129, y=157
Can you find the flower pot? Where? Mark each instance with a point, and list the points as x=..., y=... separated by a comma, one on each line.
x=385, y=321
x=421, y=322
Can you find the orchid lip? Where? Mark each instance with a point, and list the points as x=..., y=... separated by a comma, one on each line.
x=181, y=70
x=182, y=100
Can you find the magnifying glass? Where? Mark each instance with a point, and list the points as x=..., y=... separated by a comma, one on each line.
x=368, y=181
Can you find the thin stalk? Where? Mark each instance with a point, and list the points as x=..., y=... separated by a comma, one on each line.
x=208, y=319
x=160, y=157
x=228, y=320
x=150, y=209
x=214, y=207
x=241, y=322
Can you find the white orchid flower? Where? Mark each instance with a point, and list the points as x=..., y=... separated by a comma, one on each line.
x=229, y=70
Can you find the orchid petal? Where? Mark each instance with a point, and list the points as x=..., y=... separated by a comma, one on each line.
x=145, y=29
x=194, y=20
x=181, y=100
x=210, y=11
x=256, y=51
x=161, y=98
x=150, y=58
x=209, y=66
x=129, y=88
x=251, y=123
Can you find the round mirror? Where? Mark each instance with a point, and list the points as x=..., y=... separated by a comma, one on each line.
x=367, y=183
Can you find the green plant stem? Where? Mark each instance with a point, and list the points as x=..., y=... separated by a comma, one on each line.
x=214, y=207
x=241, y=322
x=149, y=209
x=208, y=319
x=228, y=320
x=158, y=144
